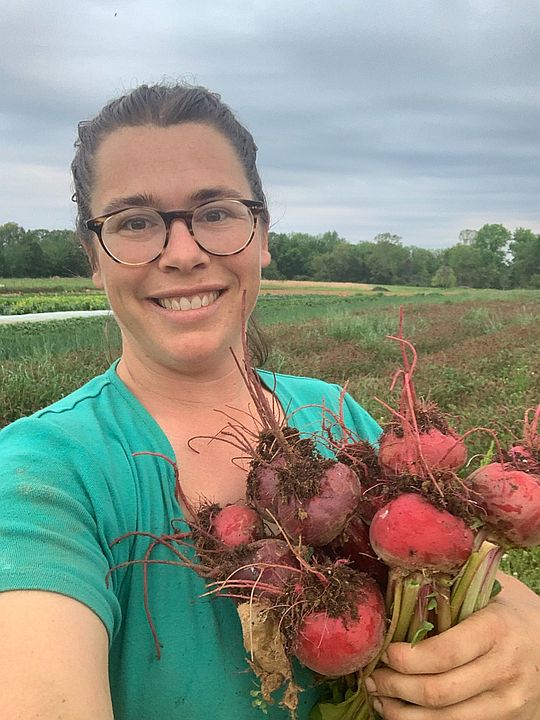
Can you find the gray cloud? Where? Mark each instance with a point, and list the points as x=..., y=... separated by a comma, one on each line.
x=377, y=115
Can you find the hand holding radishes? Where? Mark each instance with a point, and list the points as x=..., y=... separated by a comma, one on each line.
x=487, y=666
x=429, y=526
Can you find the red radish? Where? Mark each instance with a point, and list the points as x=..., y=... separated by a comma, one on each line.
x=320, y=516
x=409, y=454
x=270, y=562
x=411, y=533
x=263, y=484
x=236, y=525
x=353, y=545
x=419, y=440
x=335, y=646
x=511, y=500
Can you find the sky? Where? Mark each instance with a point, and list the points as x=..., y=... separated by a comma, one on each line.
x=414, y=117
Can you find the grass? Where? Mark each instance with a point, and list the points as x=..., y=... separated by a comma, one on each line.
x=36, y=285
x=478, y=357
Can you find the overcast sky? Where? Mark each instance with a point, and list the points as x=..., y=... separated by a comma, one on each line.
x=419, y=118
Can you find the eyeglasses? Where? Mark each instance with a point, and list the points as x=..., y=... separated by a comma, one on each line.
x=139, y=235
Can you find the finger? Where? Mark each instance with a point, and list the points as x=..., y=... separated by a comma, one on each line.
x=454, y=686
x=457, y=646
x=487, y=705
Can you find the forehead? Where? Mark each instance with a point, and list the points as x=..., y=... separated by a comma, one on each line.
x=171, y=164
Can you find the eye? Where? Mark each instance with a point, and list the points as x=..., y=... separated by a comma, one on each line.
x=214, y=215
x=138, y=223
x=134, y=222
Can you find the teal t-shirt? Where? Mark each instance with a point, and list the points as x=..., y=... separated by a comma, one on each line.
x=70, y=485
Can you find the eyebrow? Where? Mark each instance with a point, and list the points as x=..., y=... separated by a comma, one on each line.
x=149, y=200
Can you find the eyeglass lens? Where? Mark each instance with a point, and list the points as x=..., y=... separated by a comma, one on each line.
x=137, y=235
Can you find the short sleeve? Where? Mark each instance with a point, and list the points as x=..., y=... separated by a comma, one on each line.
x=359, y=420
x=51, y=526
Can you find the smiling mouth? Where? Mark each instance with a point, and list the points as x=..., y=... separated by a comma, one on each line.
x=194, y=302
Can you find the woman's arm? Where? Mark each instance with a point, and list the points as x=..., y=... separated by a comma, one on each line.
x=53, y=659
x=486, y=667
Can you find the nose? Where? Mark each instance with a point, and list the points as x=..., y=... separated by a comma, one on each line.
x=182, y=252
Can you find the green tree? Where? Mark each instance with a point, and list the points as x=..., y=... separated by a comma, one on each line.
x=293, y=252
x=388, y=238
x=342, y=263
x=65, y=255
x=466, y=262
x=27, y=259
x=387, y=262
x=445, y=277
x=525, y=264
x=271, y=272
x=492, y=242
x=423, y=265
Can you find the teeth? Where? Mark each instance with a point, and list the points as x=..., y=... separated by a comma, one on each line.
x=192, y=303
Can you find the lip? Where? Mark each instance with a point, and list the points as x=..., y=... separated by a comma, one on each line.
x=187, y=316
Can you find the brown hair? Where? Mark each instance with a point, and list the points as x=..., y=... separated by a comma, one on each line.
x=163, y=105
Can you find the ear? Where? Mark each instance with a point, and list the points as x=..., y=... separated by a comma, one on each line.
x=266, y=258
x=92, y=257
x=96, y=277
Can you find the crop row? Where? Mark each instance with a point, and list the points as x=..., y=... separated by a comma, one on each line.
x=23, y=304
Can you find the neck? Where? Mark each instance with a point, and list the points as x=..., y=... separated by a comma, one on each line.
x=162, y=390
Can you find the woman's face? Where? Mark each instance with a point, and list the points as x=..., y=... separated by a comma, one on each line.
x=171, y=168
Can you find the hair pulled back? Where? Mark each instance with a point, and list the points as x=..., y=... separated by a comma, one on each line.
x=161, y=105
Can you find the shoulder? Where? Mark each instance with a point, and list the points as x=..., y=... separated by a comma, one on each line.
x=91, y=416
x=300, y=385
x=74, y=443
x=96, y=392
x=92, y=392
x=310, y=400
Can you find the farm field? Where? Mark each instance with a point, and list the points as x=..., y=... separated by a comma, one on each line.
x=478, y=353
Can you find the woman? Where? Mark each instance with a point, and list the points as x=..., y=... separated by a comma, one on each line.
x=73, y=647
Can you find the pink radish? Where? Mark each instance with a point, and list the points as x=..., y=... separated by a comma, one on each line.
x=409, y=453
x=336, y=646
x=511, y=500
x=411, y=533
x=320, y=516
x=236, y=525
x=269, y=562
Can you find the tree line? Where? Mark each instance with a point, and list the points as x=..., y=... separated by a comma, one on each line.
x=40, y=253
x=491, y=257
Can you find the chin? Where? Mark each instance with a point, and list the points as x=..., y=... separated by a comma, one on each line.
x=197, y=359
